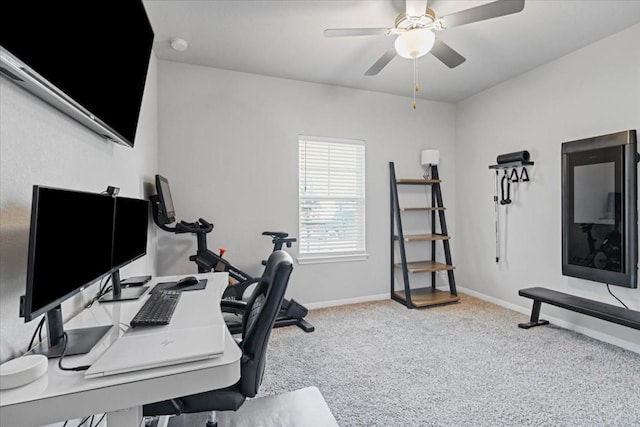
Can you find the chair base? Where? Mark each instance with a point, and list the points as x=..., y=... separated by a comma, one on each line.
x=212, y=419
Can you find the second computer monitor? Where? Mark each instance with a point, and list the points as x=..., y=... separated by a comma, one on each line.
x=130, y=230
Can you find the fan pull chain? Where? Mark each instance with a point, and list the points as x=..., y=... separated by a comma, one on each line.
x=416, y=85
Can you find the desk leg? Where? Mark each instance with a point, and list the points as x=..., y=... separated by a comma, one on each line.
x=130, y=417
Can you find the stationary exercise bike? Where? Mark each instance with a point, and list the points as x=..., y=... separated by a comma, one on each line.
x=291, y=312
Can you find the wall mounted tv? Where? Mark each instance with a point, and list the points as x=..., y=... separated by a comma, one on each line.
x=600, y=209
x=87, y=59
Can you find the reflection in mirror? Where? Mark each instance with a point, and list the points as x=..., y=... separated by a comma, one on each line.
x=599, y=209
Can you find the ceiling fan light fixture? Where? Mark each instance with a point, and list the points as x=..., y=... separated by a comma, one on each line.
x=415, y=43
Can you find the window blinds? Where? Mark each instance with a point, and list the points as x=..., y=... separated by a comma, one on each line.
x=331, y=197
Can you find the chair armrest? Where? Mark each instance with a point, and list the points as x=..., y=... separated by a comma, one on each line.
x=233, y=306
x=237, y=309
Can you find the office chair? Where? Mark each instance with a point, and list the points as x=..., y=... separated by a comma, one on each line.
x=262, y=310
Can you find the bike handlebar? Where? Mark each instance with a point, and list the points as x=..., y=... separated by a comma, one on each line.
x=199, y=227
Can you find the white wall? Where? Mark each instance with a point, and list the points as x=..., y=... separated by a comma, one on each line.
x=40, y=145
x=229, y=147
x=591, y=92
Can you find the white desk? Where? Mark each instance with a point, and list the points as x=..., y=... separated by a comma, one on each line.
x=61, y=395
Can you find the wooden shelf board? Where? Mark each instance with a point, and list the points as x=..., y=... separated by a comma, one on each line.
x=418, y=181
x=426, y=266
x=426, y=297
x=422, y=209
x=421, y=237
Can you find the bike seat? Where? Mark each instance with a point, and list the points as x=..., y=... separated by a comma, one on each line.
x=277, y=234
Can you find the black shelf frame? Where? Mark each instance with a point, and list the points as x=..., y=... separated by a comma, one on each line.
x=397, y=234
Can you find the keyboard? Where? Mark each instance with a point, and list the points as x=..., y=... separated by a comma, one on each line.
x=158, y=309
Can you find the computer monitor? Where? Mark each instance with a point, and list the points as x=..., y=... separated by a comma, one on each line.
x=131, y=223
x=166, y=211
x=130, y=230
x=69, y=249
x=72, y=244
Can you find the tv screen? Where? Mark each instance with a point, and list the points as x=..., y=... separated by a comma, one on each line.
x=89, y=59
x=599, y=209
x=69, y=245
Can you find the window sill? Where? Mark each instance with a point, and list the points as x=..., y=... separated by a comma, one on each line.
x=320, y=259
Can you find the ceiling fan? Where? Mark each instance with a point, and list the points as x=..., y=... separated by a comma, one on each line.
x=416, y=30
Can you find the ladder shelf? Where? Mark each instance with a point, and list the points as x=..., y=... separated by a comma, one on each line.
x=429, y=295
x=408, y=209
x=423, y=237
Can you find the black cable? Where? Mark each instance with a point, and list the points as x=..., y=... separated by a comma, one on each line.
x=37, y=331
x=100, y=420
x=103, y=291
x=97, y=296
x=87, y=418
x=619, y=300
x=64, y=351
x=106, y=291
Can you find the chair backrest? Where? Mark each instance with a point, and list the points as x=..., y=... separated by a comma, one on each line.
x=260, y=315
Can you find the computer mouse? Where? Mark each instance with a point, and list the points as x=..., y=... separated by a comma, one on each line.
x=187, y=281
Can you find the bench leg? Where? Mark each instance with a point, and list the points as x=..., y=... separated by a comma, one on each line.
x=535, y=317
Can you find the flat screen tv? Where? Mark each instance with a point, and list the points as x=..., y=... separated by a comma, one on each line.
x=600, y=209
x=88, y=59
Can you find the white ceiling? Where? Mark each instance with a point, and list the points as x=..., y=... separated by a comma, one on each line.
x=285, y=39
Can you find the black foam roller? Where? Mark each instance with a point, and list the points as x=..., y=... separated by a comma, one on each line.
x=518, y=156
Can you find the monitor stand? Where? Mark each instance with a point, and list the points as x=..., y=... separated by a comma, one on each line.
x=79, y=341
x=122, y=294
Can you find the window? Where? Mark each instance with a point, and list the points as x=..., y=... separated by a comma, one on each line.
x=331, y=199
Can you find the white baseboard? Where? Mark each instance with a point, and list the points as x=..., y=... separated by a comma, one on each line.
x=496, y=301
x=345, y=301
x=627, y=345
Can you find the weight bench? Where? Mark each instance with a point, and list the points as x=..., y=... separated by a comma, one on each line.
x=601, y=310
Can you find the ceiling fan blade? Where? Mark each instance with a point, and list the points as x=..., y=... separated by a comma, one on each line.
x=446, y=54
x=415, y=7
x=381, y=63
x=480, y=13
x=349, y=32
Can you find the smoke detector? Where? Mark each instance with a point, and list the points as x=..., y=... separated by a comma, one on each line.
x=178, y=44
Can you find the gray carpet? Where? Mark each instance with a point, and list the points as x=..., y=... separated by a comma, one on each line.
x=466, y=364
